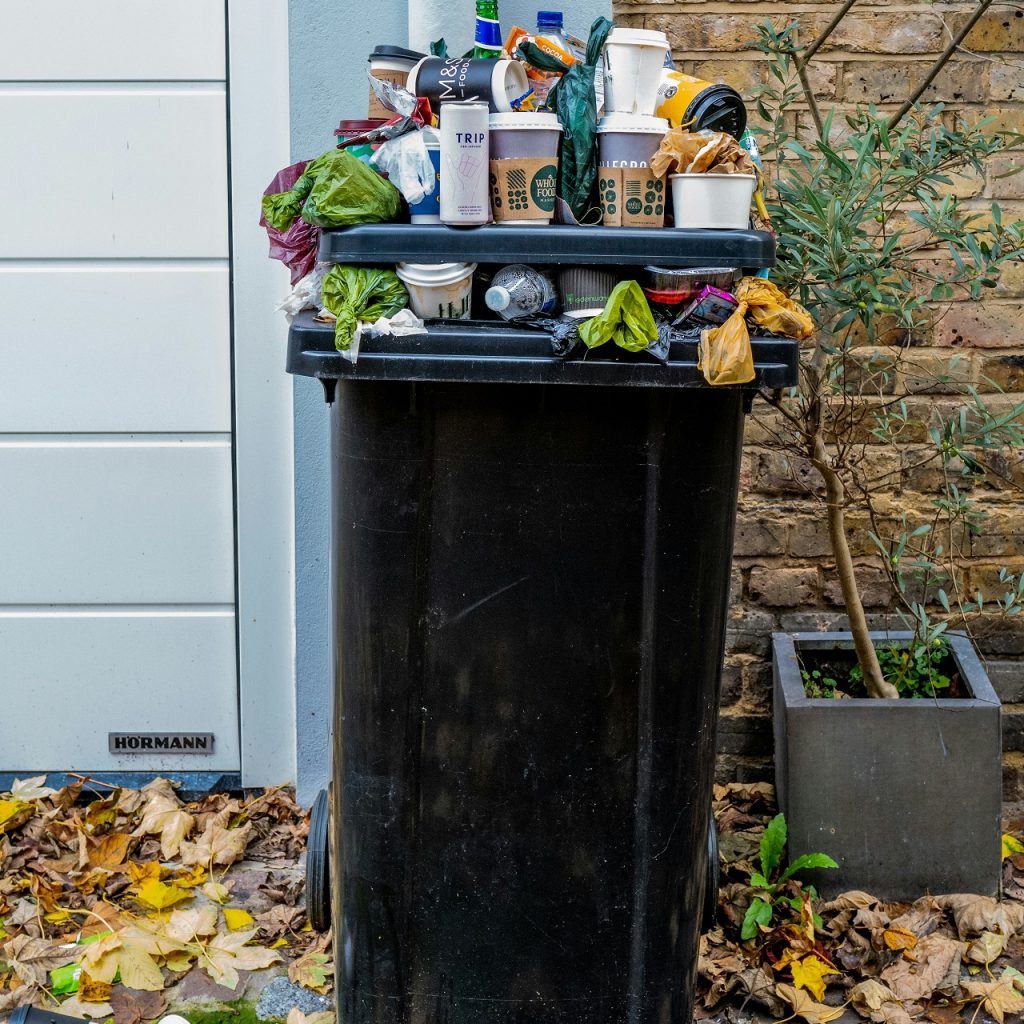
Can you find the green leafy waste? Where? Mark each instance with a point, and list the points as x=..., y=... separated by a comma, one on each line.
x=354, y=294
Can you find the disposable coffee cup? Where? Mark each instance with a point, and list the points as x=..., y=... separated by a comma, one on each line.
x=499, y=83
x=390, y=64
x=438, y=291
x=712, y=200
x=524, y=167
x=632, y=60
x=631, y=196
x=584, y=291
x=428, y=209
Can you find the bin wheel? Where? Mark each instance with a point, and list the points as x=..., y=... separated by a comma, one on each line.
x=710, y=911
x=318, y=864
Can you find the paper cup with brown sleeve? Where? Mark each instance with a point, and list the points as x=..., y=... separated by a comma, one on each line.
x=524, y=167
x=631, y=196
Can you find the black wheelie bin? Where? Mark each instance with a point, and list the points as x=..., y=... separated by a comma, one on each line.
x=530, y=565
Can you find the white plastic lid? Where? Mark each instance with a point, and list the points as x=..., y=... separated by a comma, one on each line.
x=645, y=124
x=535, y=120
x=433, y=274
x=497, y=298
x=638, y=37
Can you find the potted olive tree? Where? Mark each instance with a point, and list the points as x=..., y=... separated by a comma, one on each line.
x=900, y=781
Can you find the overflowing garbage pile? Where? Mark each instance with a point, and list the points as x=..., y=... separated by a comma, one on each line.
x=540, y=129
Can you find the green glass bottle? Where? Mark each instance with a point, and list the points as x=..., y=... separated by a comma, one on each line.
x=487, y=39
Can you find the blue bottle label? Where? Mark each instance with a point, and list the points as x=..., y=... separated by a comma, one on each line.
x=488, y=33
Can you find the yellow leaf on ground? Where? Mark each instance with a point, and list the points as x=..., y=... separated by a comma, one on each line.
x=296, y=1016
x=216, y=891
x=90, y=990
x=314, y=970
x=899, y=938
x=1011, y=845
x=33, y=959
x=195, y=876
x=76, y=1007
x=804, y=1006
x=997, y=997
x=140, y=873
x=809, y=974
x=217, y=845
x=31, y=789
x=278, y=943
x=188, y=925
x=109, y=852
x=139, y=970
x=870, y=994
x=160, y=896
x=163, y=815
x=236, y=918
x=14, y=813
x=986, y=947
x=227, y=954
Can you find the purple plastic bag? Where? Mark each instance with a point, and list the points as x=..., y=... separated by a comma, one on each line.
x=296, y=247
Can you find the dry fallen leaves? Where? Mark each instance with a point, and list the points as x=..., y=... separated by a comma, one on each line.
x=997, y=997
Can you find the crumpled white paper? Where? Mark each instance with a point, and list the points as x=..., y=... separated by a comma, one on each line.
x=403, y=323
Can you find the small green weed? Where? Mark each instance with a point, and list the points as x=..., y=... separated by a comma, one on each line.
x=913, y=670
x=769, y=883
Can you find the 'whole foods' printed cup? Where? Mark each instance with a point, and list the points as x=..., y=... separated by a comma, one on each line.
x=631, y=196
x=524, y=167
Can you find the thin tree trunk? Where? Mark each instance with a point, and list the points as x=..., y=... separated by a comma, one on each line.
x=835, y=494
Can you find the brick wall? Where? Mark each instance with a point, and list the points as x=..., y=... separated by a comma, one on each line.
x=783, y=574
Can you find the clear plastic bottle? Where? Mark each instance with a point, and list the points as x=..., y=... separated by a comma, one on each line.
x=518, y=290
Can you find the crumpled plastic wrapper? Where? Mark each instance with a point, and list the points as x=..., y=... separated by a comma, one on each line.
x=626, y=320
x=725, y=353
x=305, y=294
x=295, y=246
x=769, y=307
x=683, y=152
x=407, y=164
x=402, y=324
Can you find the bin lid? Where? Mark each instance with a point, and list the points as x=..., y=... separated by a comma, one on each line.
x=494, y=243
x=493, y=352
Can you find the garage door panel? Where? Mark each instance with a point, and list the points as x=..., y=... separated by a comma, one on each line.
x=82, y=675
x=116, y=522
x=115, y=171
x=155, y=333
x=109, y=40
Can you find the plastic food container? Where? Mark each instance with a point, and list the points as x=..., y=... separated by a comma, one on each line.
x=672, y=286
x=438, y=291
x=712, y=200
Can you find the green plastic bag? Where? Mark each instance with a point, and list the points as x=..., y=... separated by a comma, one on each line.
x=360, y=293
x=574, y=100
x=626, y=319
x=337, y=189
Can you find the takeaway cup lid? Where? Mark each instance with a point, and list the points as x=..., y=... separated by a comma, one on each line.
x=388, y=52
x=621, y=122
x=637, y=37
x=536, y=120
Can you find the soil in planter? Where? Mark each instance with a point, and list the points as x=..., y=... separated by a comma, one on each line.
x=915, y=671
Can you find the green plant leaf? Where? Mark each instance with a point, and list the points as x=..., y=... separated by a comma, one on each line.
x=773, y=842
x=758, y=881
x=757, y=913
x=806, y=862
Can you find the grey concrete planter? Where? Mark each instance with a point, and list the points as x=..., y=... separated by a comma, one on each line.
x=904, y=794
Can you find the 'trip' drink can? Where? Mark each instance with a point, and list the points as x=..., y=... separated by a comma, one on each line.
x=465, y=150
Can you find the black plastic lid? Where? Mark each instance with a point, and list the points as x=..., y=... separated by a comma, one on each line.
x=556, y=243
x=494, y=352
x=718, y=109
x=395, y=52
